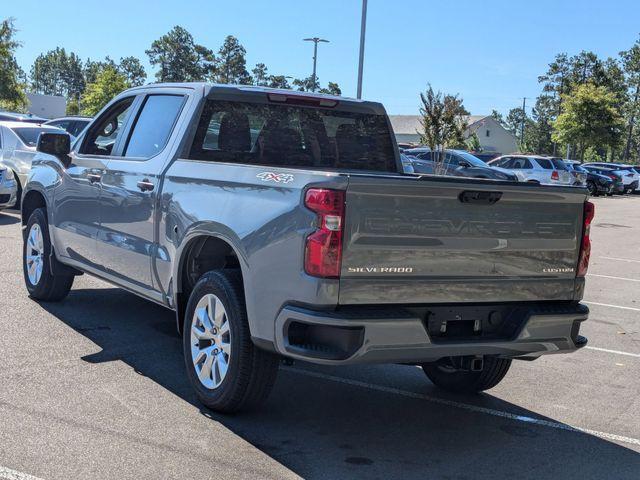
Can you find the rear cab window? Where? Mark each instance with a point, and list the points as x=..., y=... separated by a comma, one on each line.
x=293, y=137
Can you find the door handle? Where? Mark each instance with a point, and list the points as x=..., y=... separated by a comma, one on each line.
x=94, y=177
x=479, y=197
x=145, y=185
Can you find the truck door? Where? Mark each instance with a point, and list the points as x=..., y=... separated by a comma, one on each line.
x=76, y=212
x=130, y=185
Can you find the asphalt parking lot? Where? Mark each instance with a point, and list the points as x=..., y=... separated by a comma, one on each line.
x=94, y=387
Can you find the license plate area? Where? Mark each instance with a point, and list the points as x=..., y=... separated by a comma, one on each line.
x=469, y=324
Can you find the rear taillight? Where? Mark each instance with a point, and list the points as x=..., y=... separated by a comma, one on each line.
x=585, y=246
x=323, y=250
x=555, y=175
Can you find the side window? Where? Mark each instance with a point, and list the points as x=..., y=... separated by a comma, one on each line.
x=545, y=163
x=102, y=136
x=63, y=124
x=451, y=159
x=154, y=125
x=504, y=162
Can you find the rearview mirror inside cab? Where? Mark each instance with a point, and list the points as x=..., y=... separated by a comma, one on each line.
x=56, y=144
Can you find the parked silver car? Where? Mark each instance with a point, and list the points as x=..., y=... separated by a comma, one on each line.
x=535, y=169
x=18, y=142
x=8, y=187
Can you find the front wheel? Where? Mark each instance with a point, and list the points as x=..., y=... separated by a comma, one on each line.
x=41, y=282
x=592, y=189
x=448, y=375
x=228, y=372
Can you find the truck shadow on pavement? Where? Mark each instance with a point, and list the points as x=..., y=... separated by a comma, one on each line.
x=8, y=219
x=324, y=428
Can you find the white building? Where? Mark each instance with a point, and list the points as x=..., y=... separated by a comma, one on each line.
x=493, y=137
x=46, y=106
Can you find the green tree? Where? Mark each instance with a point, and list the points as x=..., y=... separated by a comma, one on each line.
x=179, y=58
x=278, y=81
x=591, y=155
x=497, y=116
x=631, y=66
x=473, y=143
x=92, y=69
x=307, y=84
x=332, y=88
x=231, y=65
x=443, y=121
x=133, y=70
x=12, y=95
x=107, y=85
x=260, y=75
x=589, y=118
x=58, y=73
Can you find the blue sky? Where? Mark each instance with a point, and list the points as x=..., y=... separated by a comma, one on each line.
x=490, y=52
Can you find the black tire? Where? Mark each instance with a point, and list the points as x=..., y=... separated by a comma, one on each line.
x=49, y=287
x=251, y=371
x=593, y=190
x=443, y=375
x=18, y=203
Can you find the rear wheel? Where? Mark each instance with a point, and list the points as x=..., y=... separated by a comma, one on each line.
x=592, y=188
x=448, y=375
x=41, y=282
x=228, y=372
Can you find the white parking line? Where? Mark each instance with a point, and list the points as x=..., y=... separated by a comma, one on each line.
x=8, y=474
x=614, y=278
x=617, y=352
x=621, y=259
x=468, y=407
x=633, y=309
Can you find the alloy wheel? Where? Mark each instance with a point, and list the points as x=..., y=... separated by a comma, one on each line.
x=34, y=254
x=210, y=341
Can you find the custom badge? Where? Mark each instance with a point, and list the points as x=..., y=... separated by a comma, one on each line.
x=275, y=177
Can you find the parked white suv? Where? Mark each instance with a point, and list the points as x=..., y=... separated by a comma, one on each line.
x=535, y=169
x=630, y=176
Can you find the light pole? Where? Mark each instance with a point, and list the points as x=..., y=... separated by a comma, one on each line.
x=363, y=27
x=315, y=41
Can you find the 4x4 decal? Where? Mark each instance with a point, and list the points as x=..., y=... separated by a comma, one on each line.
x=275, y=177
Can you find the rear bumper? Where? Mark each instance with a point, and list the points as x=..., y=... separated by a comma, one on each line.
x=399, y=335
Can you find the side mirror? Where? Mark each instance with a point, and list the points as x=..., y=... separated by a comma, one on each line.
x=464, y=164
x=56, y=144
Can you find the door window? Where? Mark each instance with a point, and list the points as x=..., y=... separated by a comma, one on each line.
x=154, y=125
x=102, y=136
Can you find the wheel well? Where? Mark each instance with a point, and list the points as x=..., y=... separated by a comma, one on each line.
x=32, y=200
x=201, y=255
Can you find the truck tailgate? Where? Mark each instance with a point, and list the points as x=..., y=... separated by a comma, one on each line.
x=434, y=240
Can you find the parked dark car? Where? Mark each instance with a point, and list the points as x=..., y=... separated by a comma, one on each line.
x=459, y=163
x=618, y=185
x=21, y=117
x=73, y=125
x=596, y=183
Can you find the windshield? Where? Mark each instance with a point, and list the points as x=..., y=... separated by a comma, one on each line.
x=29, y=136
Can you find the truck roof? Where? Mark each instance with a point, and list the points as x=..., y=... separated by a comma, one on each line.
x=239, y=89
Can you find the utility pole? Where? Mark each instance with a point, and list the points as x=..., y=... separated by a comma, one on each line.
x=524, y=116
x=363, y=27
x=315, y=41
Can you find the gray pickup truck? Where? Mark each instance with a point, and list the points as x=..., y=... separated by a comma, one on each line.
x=277, y=224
